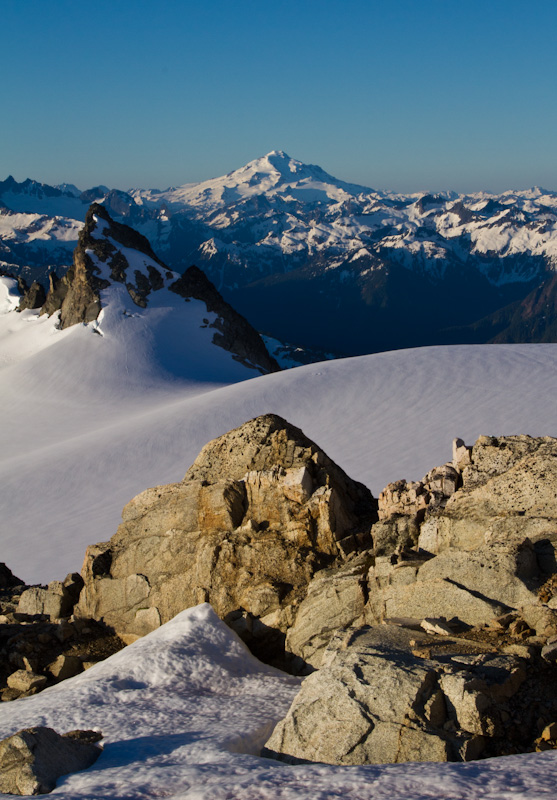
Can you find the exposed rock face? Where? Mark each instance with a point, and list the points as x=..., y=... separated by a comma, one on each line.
x=7, y=578
x=33, y=297
x=57, y=290
x=56, y=601
x=77, y=294
x=234, y=333
x=261, y=510
x=335, y=599
x=108, y=252
x=473, y=586
x=33, y=759
x=509, y=490
x=412, y=499
x=473, y=540
x=23, y=680
x=492, y=536
x=41, y=643
x=375, y=701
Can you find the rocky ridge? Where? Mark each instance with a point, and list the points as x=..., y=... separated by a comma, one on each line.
x=260, y=511
x=109, y=253
x=426, y=621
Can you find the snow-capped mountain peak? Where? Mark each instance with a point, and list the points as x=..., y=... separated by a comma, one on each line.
x=275, y=175
x=116, y=281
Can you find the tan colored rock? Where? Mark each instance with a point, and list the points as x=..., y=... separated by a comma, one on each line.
x=550, y=732
x=24, y=680
x=261, y=510
x=435, y=598
x=442, y=481
x=509, y=490
x=336, y=598
x=541, y=618
x=397, y=532
x=549, y=652
x=401, y=497
x=65, y=666
x=499, y=571
x=436, y=625
x=462, y=455
x=56, y=600
x=412, y=499
x=473, y=586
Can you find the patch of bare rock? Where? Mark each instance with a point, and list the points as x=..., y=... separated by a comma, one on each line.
x=425, y=621
x=34, y=758
x=41, y=642
x=260, y=513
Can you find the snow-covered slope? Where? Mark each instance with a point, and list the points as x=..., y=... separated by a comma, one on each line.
x=386, y=270
x=274, y=175
x=90, y=421
x=185, y=710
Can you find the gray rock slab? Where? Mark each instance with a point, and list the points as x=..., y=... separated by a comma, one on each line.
x=32, y=760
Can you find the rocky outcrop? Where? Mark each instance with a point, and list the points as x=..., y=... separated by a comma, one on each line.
x=32, y=760
x=41, y=642
x=412, y=499
x=98, y=260
x=109, y=252
x=475, y=539
x=7, y=579
x=509, y=491
x=486, y=546
x=381, y=697
x=233, y=332
x=336, y=598
x=260, y=511
x=57, y=290
x=55, y=601
x=33, y=296
x=287, y=549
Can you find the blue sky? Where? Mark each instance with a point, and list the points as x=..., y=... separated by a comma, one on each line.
x=408, y=95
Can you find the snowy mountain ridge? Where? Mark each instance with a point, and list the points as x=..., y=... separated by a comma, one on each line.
x=276, y=205
x=278, y=233
x=274, y=175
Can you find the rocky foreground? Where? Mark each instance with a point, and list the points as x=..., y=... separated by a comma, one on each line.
x=426, y=620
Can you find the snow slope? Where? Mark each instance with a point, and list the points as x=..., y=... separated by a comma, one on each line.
x=274, y=175
x=277, y=213
x=90, y=421
x=185, y=710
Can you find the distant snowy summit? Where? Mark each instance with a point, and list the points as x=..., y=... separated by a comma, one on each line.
x=319, y=262
x=274, y=175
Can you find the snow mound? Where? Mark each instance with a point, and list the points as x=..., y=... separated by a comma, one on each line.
x=185, y=711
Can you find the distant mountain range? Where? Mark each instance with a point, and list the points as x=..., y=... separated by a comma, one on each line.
x=322, y=263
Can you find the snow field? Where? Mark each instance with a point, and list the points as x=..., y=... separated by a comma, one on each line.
x=185, y=710
x=90, y=420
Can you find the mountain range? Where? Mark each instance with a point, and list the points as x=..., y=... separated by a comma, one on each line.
x=312, y=260
x=130, y=369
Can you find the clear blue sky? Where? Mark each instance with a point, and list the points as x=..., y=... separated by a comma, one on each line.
x=395, y=94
